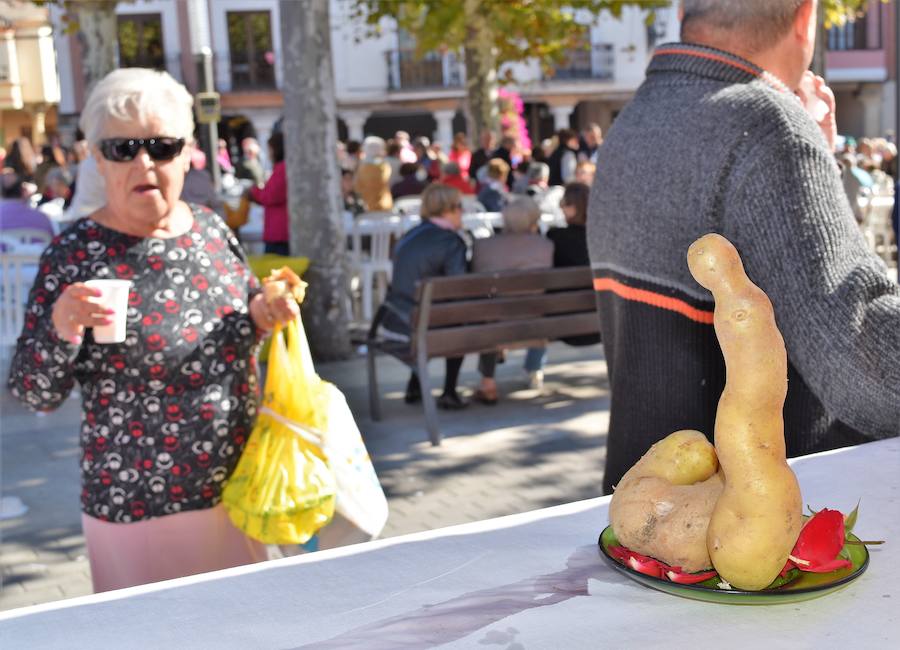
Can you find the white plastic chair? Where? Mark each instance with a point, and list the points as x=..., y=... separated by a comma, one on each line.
x=372, y=269
x=471, y=204
x=877, y=227
x=407, y=205
x=32, y=237
x=482, y=224
x=18, y=268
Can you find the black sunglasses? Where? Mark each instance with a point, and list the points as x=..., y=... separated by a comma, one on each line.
x=159, y=149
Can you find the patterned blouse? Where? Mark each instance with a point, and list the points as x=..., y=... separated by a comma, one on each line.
x=168, y=411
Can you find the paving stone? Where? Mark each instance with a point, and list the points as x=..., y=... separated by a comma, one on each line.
x=530, y=451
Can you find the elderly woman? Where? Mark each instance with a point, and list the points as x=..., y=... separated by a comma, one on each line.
x=518, y=247
x=373, y=177
x=168, y=410
x=433, y=248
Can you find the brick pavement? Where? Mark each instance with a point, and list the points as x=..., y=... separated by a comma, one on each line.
x=530, y=451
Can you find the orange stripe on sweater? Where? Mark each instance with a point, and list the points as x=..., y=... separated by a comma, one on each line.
x=709, y=55
x=654, y=299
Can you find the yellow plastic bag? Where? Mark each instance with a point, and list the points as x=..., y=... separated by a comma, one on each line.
x=282, y=490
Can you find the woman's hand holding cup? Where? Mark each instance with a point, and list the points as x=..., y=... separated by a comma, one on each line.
x=78, y=308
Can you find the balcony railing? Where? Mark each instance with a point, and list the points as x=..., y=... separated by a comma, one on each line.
x=856, y=35
x=597, y=62
x=406, y=71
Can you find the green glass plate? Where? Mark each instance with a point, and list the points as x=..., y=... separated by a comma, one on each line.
x=806, y=587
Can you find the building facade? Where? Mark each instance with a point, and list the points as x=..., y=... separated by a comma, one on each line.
x=380, y=85
x=29, y=84
x=861, y=69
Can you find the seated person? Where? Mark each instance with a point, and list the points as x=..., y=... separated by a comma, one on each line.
x=352, y=203
x=519, y=246
x=452, y=176
x=433, y=248
x=570, y=243
x=494, y=194
x=538, y=180
x=409, y=183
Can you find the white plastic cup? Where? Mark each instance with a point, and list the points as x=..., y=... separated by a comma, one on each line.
x=113, y=295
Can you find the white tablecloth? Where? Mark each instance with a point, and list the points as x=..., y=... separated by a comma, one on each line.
x=527, y=581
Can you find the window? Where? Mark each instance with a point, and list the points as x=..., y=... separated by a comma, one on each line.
x=141, y=41
x=856, y=35
x=250, y=43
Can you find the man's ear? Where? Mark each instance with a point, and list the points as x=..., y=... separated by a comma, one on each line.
x=805, y=22
x=681, y=11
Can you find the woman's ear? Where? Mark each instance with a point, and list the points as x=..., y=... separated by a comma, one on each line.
x=98, y=158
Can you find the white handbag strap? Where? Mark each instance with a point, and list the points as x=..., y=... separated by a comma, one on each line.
x=309, y=434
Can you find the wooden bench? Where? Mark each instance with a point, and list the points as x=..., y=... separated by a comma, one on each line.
x=483, y=312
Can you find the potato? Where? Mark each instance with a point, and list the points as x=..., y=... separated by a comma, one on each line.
x=663, y=504
x=757, y=519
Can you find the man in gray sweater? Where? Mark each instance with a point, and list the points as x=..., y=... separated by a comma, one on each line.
x=717, y=141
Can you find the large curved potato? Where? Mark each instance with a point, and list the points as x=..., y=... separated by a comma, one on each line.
x=758, y=517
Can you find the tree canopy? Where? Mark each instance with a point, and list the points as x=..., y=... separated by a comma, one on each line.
x=543, y=29
x=521, y=29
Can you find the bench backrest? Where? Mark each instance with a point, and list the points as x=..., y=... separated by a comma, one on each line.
x=477, y=312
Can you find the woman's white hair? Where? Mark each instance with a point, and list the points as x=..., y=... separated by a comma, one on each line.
x=138, y=94
x=373, y=147
x=521, y=215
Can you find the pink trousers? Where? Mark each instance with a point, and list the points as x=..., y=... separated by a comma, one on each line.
x=183, y=544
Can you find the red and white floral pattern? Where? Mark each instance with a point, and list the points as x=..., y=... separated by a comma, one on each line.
x=168, y=411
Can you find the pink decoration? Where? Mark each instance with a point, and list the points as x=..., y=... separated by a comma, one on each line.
x=512, y=122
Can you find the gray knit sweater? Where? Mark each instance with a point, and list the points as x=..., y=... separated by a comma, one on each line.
x=711, y=143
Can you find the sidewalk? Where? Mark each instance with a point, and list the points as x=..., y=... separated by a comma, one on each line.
x=530, y=451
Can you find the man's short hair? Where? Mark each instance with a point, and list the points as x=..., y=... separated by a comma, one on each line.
x=538, y=171
x=409, y=169
x=758, y=24
x=566, y=134
x=451, y=169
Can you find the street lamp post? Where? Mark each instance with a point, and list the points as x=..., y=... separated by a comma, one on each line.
x=208, y=87
x=198, y=20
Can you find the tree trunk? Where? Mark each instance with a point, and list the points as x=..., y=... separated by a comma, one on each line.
x=481, y=70
x=310, y=145
x=98, y=37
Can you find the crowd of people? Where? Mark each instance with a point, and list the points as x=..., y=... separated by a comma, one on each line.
x=377, y=172
x=502, y=178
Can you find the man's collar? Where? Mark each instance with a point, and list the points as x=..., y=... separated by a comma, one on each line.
x=710, y=62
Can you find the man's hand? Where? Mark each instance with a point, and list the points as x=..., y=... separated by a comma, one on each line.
x=816, y=98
